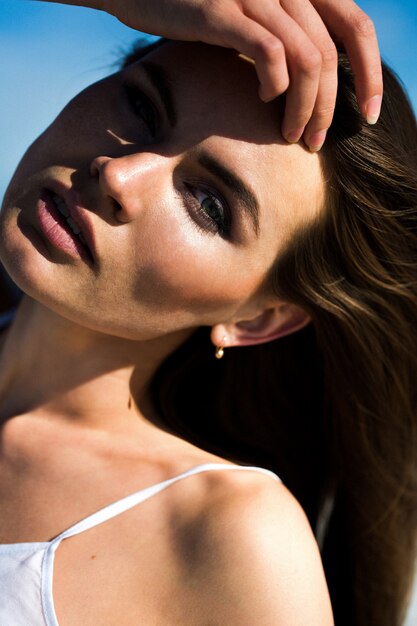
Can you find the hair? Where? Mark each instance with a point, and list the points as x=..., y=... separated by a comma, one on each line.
x=333, y=408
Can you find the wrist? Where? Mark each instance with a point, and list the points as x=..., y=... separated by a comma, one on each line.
x=102, y=5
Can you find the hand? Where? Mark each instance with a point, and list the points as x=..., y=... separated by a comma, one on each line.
x=292, y=43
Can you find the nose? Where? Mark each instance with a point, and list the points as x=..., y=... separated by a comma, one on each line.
x=128, y=181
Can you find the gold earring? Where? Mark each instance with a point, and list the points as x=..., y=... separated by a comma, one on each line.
x=220, y=349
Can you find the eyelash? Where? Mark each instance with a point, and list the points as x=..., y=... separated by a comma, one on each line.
x=200, y=217
x=137, y=99
x=220, y=225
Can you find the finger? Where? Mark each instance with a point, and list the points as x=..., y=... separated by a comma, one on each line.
x=357, y=32
x=304, y=63
x=310, y=21
x=256, y=42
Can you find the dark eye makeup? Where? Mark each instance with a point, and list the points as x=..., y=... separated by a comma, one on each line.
x=207, y=209
x=143, y=107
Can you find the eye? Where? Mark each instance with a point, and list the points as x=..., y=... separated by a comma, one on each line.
x=142, y=107
x=209, y=210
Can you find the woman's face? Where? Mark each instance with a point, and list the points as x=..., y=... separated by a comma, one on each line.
x=188, y=189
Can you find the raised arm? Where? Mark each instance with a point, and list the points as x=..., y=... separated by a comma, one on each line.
x=292, y=42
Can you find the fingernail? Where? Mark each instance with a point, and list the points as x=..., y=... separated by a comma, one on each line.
x=267, y=98
x=293, y=136
x=373, y=109
x=316, y=140
x=264, y=95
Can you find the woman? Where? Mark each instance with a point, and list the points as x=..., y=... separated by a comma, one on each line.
x=193, y=223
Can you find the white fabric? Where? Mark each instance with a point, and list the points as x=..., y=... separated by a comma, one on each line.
x=26, y=569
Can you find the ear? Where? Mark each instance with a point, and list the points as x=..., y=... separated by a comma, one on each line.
x=271, y=324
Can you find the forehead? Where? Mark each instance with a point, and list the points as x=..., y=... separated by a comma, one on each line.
x=219, y=88
x=215, y=95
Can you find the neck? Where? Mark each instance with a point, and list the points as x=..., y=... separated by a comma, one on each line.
x=9, y=293
x=52, y=367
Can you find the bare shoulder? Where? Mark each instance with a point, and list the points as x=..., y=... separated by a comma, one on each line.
x=256, y=560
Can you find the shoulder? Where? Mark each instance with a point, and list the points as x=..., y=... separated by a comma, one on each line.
x=256, y=560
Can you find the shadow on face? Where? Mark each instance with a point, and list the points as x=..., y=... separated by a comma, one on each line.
x=192, y=191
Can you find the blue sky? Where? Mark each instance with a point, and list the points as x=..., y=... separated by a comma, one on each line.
x=49, y=52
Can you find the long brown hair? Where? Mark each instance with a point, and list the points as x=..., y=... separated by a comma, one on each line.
x=356, y=272
x=333, y=408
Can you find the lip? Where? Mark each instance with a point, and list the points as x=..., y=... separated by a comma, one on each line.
x=78, y=214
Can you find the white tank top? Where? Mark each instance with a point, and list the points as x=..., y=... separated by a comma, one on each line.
x=26, y=569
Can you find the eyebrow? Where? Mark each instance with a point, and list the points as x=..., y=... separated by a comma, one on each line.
x=246, y=197
x=161, y=84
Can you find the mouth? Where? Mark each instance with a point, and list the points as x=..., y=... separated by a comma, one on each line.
x=65, y=226
x=62, y=208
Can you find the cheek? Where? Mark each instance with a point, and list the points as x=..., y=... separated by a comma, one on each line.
x=180, y=269
x=81, y=129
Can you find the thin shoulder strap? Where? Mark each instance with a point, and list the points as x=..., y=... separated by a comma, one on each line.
x=133, y=499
